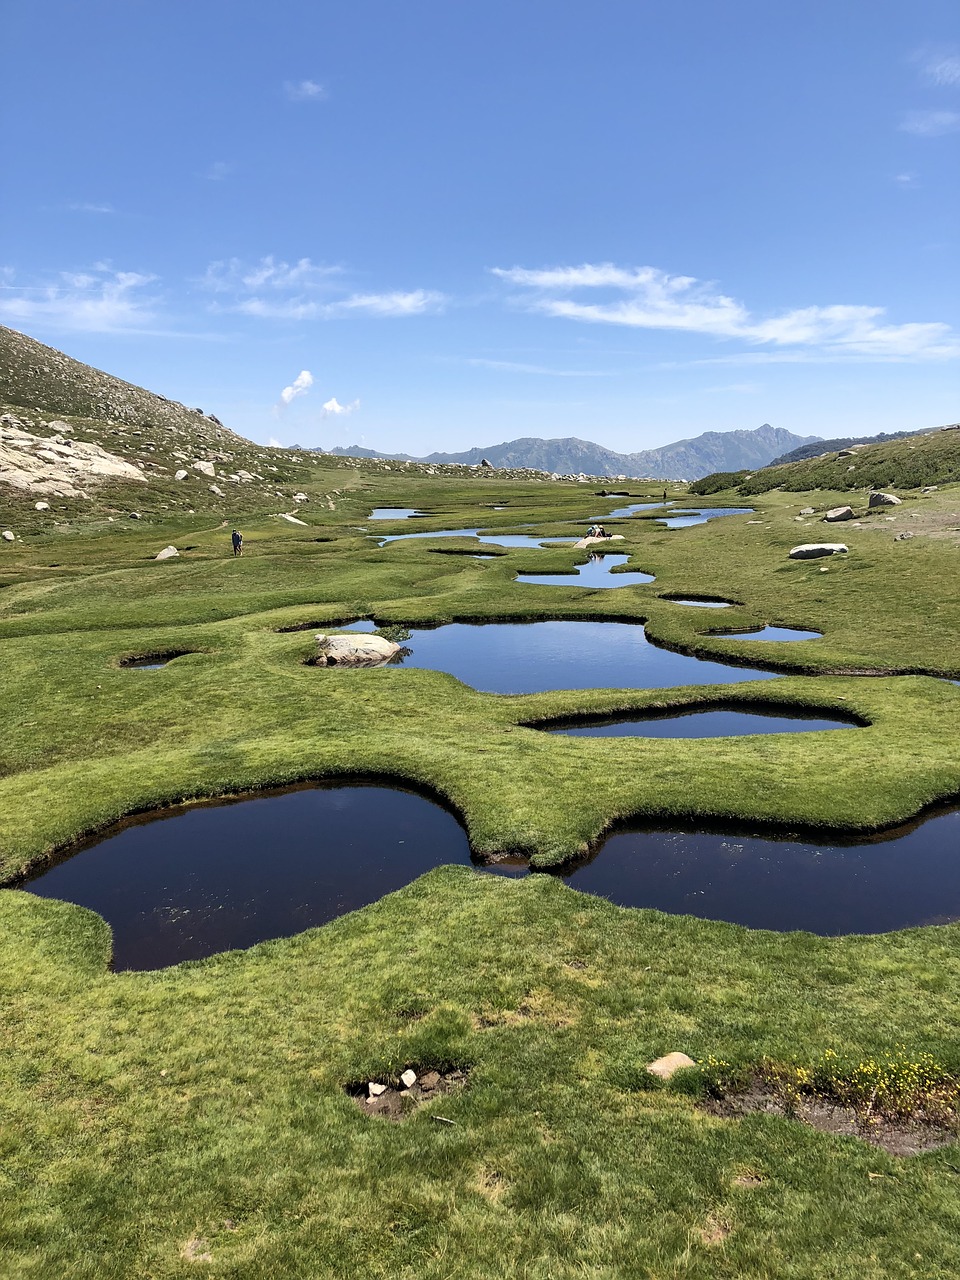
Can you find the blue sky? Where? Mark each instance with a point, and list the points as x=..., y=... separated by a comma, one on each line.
x=434, y=225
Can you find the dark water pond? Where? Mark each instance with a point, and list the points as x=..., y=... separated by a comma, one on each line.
x=595, y=573
x=701, y=515
x=219, y=877
x=150, y=661
x=530, y=657
x=718, y=722
x=395, y=513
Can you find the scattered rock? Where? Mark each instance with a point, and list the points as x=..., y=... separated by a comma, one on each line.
x=387, y=1099
x=215, y=489
x=902, y=537
x=41, y=506
x=356, y=650
x=807, y=511
x=485, y=463
x=813, y=550
x=134, y=515
x=168, y=553
x=671, y=1062
x=300, y=497
x=7, y=535
x=196, y=1250
x=181, y=474
x=838, y=513
x=207, y=468
x=930, y=488
x=408, y=1078
x=285, y=515
x=884, y=500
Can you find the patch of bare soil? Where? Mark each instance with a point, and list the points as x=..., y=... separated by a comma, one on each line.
x=898, y=1137
x=397, y=1098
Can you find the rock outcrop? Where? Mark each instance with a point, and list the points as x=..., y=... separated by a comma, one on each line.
x=838, y=513
x=884, y=500
x=54, y=464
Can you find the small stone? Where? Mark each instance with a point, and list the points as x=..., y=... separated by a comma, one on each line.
x=206, y=468
x=168, y=553
x=7, y=535
x=374, y=1089
x=41, y=506
x=807, y=511
x=300, y=497
x=181, y=474
x=134, y=515
x=666, y=1066
x=408, y=1078
x=215, y=489
x=902, y=537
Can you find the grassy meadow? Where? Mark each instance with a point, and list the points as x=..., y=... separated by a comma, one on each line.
x=194, y=1120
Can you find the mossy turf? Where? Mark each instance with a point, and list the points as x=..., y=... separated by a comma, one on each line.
x=195, y=1120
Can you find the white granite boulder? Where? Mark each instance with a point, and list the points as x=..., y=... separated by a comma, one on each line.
x=838, y=513
x=168, y=553
x=359, y=649
x=885, y=500
x=813, y=550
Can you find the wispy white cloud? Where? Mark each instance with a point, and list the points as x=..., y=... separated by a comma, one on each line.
x=511, y=366
x=298, y=387
x=648, y=298
x=930, y=124
x=938, y=66
x=272, y=289
x=905, y=180
x=737, y=388
x=334, y=409
x=218, y=171
x=98, y=300
x=304, y=91
x=87, y=206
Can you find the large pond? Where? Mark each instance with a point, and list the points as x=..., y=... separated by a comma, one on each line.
x=531, y=657
x=219, y=877
x=595, y=573
x=395, y=513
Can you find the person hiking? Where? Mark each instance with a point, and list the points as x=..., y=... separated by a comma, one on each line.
x=237, y=539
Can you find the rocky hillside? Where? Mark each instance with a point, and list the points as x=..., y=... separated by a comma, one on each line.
x=911, y=463
x=682, y=460
x=819, y=447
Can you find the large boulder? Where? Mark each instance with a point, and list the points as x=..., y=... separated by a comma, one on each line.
x=168, y=553
x=359, y=649
x=813, y=550
x=838, y=513
x=884, y=500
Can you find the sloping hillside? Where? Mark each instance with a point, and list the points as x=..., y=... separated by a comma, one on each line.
x=817, y=448
x=933, y=458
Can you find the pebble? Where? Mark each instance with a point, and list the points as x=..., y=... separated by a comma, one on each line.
x=408, y=1078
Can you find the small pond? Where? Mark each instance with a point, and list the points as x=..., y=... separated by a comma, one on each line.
x=530, y=657
x=700, y=604
x=495, y=539
x=223, y=876
x=623, y=512
x=395, y=513
x=770, y=633
x=151, y=661
x=701, y=515
x=595, y=573
x=699, y=722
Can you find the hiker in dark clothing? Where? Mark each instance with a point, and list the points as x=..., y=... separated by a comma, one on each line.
x=237, y=539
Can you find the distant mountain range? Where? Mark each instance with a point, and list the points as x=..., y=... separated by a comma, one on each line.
x=682, y=460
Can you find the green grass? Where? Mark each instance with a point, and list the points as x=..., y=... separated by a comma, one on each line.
x=143, y=1111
